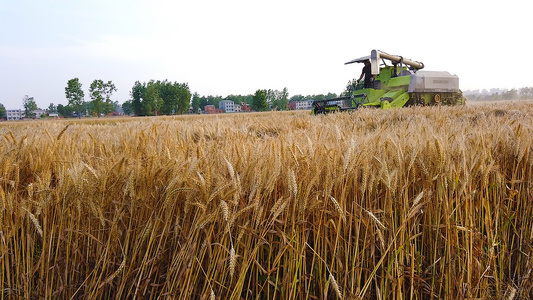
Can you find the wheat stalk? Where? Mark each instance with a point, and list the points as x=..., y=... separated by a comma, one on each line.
x=232, y=261
x=35, y=222
x=293, y=186
x=338, y=207
x=336, y=287
x=225, y=210
x=269, y=176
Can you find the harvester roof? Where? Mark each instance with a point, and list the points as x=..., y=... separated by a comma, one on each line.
x=359, y=60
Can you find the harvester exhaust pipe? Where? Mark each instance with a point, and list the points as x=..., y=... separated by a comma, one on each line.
x=376, y=56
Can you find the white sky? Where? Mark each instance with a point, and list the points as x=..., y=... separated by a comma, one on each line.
x=236, y=47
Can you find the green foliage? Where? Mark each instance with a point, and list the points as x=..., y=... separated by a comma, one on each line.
x=195, y=102
x=153, y=101
x=241, y=99
x=175, y=96
x=278, y=99
x=65, y=111
x=100, y=93
x=51, y=108
x=211, y=100
x=160, y=97
x=29, y=106
x=137, y=99
x=199, y=102
x=317, y=97
x=259, y=102
x=297, y=98
x=350, y=86
x=2, y=111
x=513, y=94
x=526, y=93
x=75, y=95
x=109, y=89
x=97, y=99
x=331, y=95
x=127, y=107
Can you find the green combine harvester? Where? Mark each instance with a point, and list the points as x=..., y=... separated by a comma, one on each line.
x=397, y=84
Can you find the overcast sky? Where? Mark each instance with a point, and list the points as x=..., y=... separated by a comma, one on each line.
x=236, y=47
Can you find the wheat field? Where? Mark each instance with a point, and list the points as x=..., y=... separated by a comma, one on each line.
x=414, y=203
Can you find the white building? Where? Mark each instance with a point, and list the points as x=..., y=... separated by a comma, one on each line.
x=307, y=104
x=13, y=114
x=38, y=113
x=227, y=105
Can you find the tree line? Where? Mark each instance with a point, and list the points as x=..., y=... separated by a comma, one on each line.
x=156, y=97
x=147, y=99
x=100, y=93
x=513, y=94
x=263, y=99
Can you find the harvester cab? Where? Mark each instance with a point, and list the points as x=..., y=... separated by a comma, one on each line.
x=395, y=82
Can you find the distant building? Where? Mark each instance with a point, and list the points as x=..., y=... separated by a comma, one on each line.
x=211, y=109
x=245, y=108
x=38, y=113
x=292, y=105
x=227, y=105
x=306, y=104
x=13, y=114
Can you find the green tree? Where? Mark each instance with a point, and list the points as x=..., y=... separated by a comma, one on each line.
x=127, y=107
x=152, y=101
x=510, y=95
x=51, y=108
x=183, y=97
x=75, y=95
x=331, y=95
x=277, y=99
x=29, y=106
x=100, y=93
x=259, y=102
x=297, y=98
x=284, y=99
x=350, y=87
x=96, y=91
x=176, y=97
x=61, y=110
x=65, y=111
x=214, y=100
x=109, y=89
x=204, y=101
x=2, y=111
x=160, y=97
x=115, y=106
x=195, y=102
x=137, y=98
x=318, y=97
x=526, y=93
x=240, y=99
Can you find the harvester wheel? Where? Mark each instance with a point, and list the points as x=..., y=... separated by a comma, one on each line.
x=437, y=98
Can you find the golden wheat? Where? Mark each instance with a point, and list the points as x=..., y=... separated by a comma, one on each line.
x=418, y=203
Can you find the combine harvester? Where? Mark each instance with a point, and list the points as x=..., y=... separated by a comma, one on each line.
x=398, y=84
